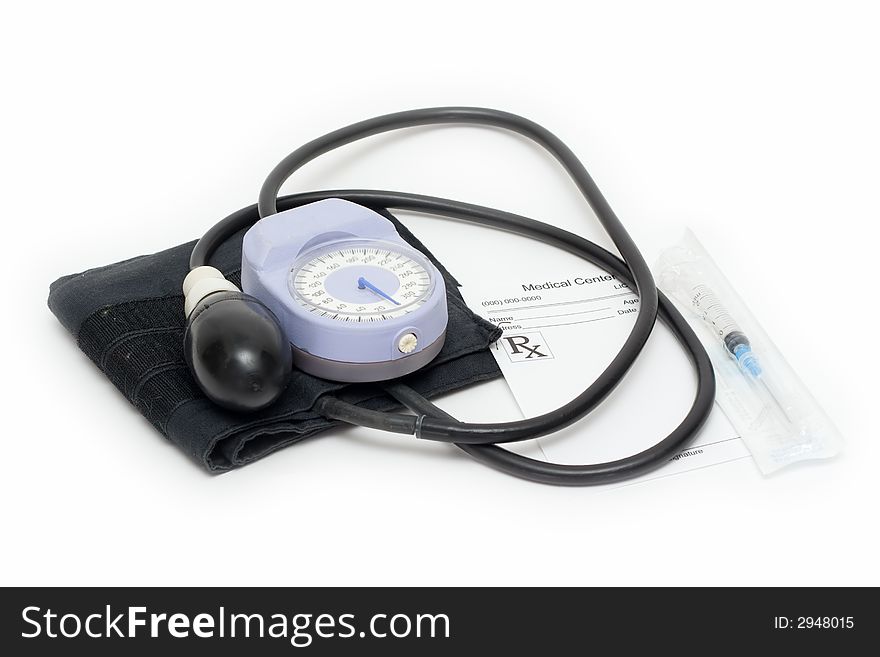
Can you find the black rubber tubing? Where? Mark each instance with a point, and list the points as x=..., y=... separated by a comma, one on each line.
x=478, y=439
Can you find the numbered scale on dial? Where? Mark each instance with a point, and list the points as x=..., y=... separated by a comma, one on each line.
x=361, y=281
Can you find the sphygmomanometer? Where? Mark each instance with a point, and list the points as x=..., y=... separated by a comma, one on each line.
x=329, y=287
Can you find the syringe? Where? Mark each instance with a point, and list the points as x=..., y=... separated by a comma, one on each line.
x=707, y=306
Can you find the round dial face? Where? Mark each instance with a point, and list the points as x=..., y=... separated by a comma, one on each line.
x=361, y=281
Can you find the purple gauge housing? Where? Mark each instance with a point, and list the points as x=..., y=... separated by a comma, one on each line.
x=355, y=300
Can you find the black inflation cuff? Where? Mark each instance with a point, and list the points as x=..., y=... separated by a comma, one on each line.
x=128, y=318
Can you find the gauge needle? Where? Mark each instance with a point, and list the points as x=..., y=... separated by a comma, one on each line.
x=364, y=283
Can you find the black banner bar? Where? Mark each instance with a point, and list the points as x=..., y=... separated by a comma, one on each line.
x=437, y=621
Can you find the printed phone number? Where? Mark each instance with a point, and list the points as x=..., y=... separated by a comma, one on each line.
x=505, y=302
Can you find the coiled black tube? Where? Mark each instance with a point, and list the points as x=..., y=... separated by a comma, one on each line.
x=479, y=439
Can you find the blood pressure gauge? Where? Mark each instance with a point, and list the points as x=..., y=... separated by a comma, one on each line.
x=356, y=301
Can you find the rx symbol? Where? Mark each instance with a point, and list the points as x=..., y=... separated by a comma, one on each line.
x=520, y=345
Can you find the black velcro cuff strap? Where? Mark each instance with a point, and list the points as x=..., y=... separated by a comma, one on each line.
x=128, y=318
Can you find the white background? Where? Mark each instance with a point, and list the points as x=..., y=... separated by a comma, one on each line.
x=125, y=131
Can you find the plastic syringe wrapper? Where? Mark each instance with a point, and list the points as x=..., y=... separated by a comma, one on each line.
x=763, y=398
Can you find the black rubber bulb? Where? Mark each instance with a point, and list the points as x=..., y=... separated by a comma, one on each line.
x=237, y=351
